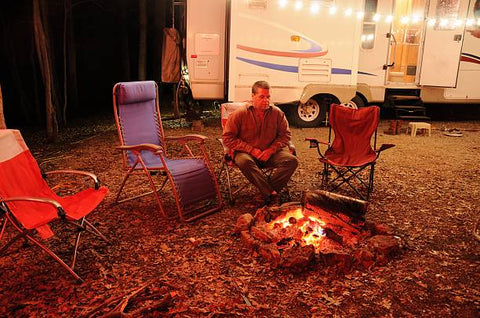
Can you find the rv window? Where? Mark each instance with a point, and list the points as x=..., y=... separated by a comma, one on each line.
x=368, y=33
x=370, y=10
x=446, y=12
x=368, y=36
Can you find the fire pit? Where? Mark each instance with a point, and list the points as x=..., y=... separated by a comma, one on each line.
x=325, y=227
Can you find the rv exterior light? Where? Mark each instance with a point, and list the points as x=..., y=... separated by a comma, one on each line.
x=404, y=20
x=458, y=22
x=348, y=12
x=298, y=5
x=282, y=3
x=431, y=22
x=370, y=37
x=295, y=38
x=376, y=17
x=314, y=7
x=443, y=22
x=360, y=15
x=332, y=10
x=389, y=18
x=415, y=19
x=469, y=22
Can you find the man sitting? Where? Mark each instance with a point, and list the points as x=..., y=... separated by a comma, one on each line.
x=258, y=134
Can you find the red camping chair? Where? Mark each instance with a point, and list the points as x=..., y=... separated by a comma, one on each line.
x=350, y=159
x=30, y=205
x=144, y=148
x=228, y=164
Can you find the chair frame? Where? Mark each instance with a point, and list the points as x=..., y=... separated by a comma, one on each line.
x=82, y=225
x=345, y=173
x=139, y=166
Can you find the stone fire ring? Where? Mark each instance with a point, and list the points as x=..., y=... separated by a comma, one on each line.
x=347, y=241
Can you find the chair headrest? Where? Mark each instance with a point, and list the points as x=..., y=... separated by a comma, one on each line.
x=135, y=92
x=11, y=143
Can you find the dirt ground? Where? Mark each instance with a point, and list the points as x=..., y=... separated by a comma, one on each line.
x=426, y=188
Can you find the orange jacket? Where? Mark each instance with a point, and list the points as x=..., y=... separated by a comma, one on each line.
x=245, y=131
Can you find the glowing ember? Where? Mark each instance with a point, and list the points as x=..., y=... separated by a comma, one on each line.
x=299, y=228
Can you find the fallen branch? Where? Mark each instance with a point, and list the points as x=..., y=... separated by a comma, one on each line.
x=118, y=310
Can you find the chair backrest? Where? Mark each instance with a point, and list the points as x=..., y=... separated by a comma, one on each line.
x=226, y=109
x=137, y=115
x=21, y=177
x=353, y=130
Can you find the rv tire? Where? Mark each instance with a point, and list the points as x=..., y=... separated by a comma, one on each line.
x=310, y=114
x=356, y=102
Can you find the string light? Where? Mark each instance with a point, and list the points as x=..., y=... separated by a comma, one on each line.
x=415, y=19
x=315, y=8
x=298, y=5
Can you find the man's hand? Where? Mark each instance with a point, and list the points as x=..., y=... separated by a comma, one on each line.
x=266, y=154
x=256, y=153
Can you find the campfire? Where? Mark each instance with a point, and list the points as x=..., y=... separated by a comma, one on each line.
x=325, y=227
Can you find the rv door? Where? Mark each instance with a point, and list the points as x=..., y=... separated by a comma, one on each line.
x=444, y=31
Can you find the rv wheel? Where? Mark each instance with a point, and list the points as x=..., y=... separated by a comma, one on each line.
x=307, y=115
x=355, y=103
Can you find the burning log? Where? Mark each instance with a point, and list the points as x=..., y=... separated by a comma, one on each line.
x=345, y=208
x=327, y=226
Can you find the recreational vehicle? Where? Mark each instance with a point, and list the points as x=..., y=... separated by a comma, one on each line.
x=398, y=53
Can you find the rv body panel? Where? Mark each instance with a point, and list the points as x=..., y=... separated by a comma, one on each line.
x=205, y=48
x=290, y=48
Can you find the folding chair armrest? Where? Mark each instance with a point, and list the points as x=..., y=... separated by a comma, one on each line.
x=61, y=212
x=186, y=138
x=141, y=147
x=77, y=172
x=384, y=147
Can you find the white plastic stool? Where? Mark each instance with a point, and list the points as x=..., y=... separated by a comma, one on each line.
x=414, y=126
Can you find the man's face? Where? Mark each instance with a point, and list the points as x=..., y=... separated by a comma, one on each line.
x=261, y=99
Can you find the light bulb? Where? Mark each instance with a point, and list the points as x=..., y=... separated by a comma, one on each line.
x=298, y=5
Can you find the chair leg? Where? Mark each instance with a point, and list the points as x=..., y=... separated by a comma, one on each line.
x=77, y=242
x=25, y=234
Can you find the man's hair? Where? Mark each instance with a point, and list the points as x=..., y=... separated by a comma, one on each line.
x=259, y=84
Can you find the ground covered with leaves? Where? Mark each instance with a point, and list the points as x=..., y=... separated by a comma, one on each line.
x=426, y=188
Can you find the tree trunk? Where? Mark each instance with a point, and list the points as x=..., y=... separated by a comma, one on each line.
x=72, y=60
x=43, y=53
x=2, y=117
x=125, y=46
x=142, y=53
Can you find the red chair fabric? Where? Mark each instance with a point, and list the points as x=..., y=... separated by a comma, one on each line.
x=27, y=200
x=353, y=129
